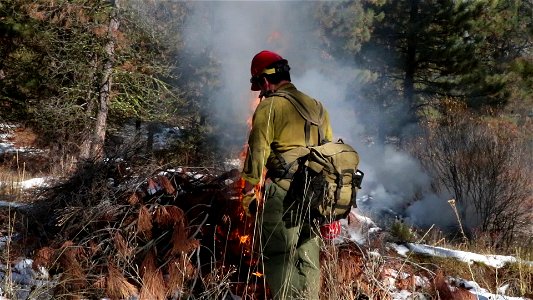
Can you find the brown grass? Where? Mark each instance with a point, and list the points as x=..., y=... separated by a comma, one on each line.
x=117, y=286
x=167, y=186
x=446, y=293
x=144, y=223
x=180, y=272
x=134, y=199
x=166, y=216
x=180, y=241
x=407, y=284
x=158, y=233
x=24, y=137
x=122, y=246
x=346, y=274
x=71, y=259
x=45, y=257
x=153, y=284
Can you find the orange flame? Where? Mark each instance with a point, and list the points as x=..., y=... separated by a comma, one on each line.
x=244, y=239
x=275, y=36
x=254, y=101
x=237, y=232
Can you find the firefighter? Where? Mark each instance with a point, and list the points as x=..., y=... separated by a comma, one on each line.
x=290, y=249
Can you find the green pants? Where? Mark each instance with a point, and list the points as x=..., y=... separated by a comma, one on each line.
x=290, y=253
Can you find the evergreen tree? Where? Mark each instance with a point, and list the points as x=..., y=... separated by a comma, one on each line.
x=346, y=25
x=18, y=79
x=59, y=64
x=424, y=51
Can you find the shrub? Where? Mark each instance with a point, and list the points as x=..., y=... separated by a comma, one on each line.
x=402, y=232
x=485, y=165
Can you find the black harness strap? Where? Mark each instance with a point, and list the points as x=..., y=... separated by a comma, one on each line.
x=283, y=172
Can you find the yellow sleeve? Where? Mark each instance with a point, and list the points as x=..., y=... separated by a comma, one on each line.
x=261, y=136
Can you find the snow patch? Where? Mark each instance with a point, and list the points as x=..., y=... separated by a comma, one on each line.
x=496, y=261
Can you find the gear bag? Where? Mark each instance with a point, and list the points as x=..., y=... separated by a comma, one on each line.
x=325, y=180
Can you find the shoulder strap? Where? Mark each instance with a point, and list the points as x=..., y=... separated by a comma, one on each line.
x=316, y=120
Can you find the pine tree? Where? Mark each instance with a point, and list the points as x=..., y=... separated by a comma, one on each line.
x=424, y=51
x=72, y=63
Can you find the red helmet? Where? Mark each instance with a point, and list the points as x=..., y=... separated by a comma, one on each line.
x=260, y=61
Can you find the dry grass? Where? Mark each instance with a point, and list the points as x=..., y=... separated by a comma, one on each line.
x=10, y=184
x=144, y=223
x=117, y=286
x=153, y=284
x=116, y=243
x=352, y=272
x=518, y=276
x=124, y=249
x=181, y=273
x=344, y=273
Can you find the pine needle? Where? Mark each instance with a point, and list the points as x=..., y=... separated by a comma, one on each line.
x=118, y=286
x=166, y=184
x=153, y=287
x=144, y=223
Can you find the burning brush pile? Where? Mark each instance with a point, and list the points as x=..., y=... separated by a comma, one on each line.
x=109, y=232
x=120, y=232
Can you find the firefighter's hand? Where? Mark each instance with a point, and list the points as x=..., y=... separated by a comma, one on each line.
x=249, y=203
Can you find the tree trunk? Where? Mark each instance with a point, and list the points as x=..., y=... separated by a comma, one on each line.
x=410, y=61
x=85, y=147
x=97, y=140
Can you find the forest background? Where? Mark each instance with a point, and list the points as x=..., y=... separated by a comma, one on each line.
x=437, y=96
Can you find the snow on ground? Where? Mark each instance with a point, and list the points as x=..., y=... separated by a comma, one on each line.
x=10, y=204
x=6, y=146
x=481, y=293
x=32, y=183
x=27, y=283
x=21, y=186
x=495, y=261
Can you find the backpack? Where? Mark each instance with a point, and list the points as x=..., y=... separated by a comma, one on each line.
x=325, y=179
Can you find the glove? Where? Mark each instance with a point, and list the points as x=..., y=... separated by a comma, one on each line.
x=330, y=231
x=249, y=203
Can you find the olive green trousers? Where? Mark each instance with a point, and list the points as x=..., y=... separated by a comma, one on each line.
x=290, y=253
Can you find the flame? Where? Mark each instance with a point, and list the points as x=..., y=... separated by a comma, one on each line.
x=236, y=232
x=254, y=101
x=275, y=36
x=241, y=234
x=244, y=238
x=235, y=235
x=278, y=42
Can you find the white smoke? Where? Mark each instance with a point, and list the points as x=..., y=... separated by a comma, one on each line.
x=236, y=31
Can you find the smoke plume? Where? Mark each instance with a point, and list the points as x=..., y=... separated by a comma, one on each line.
x=235, y=31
